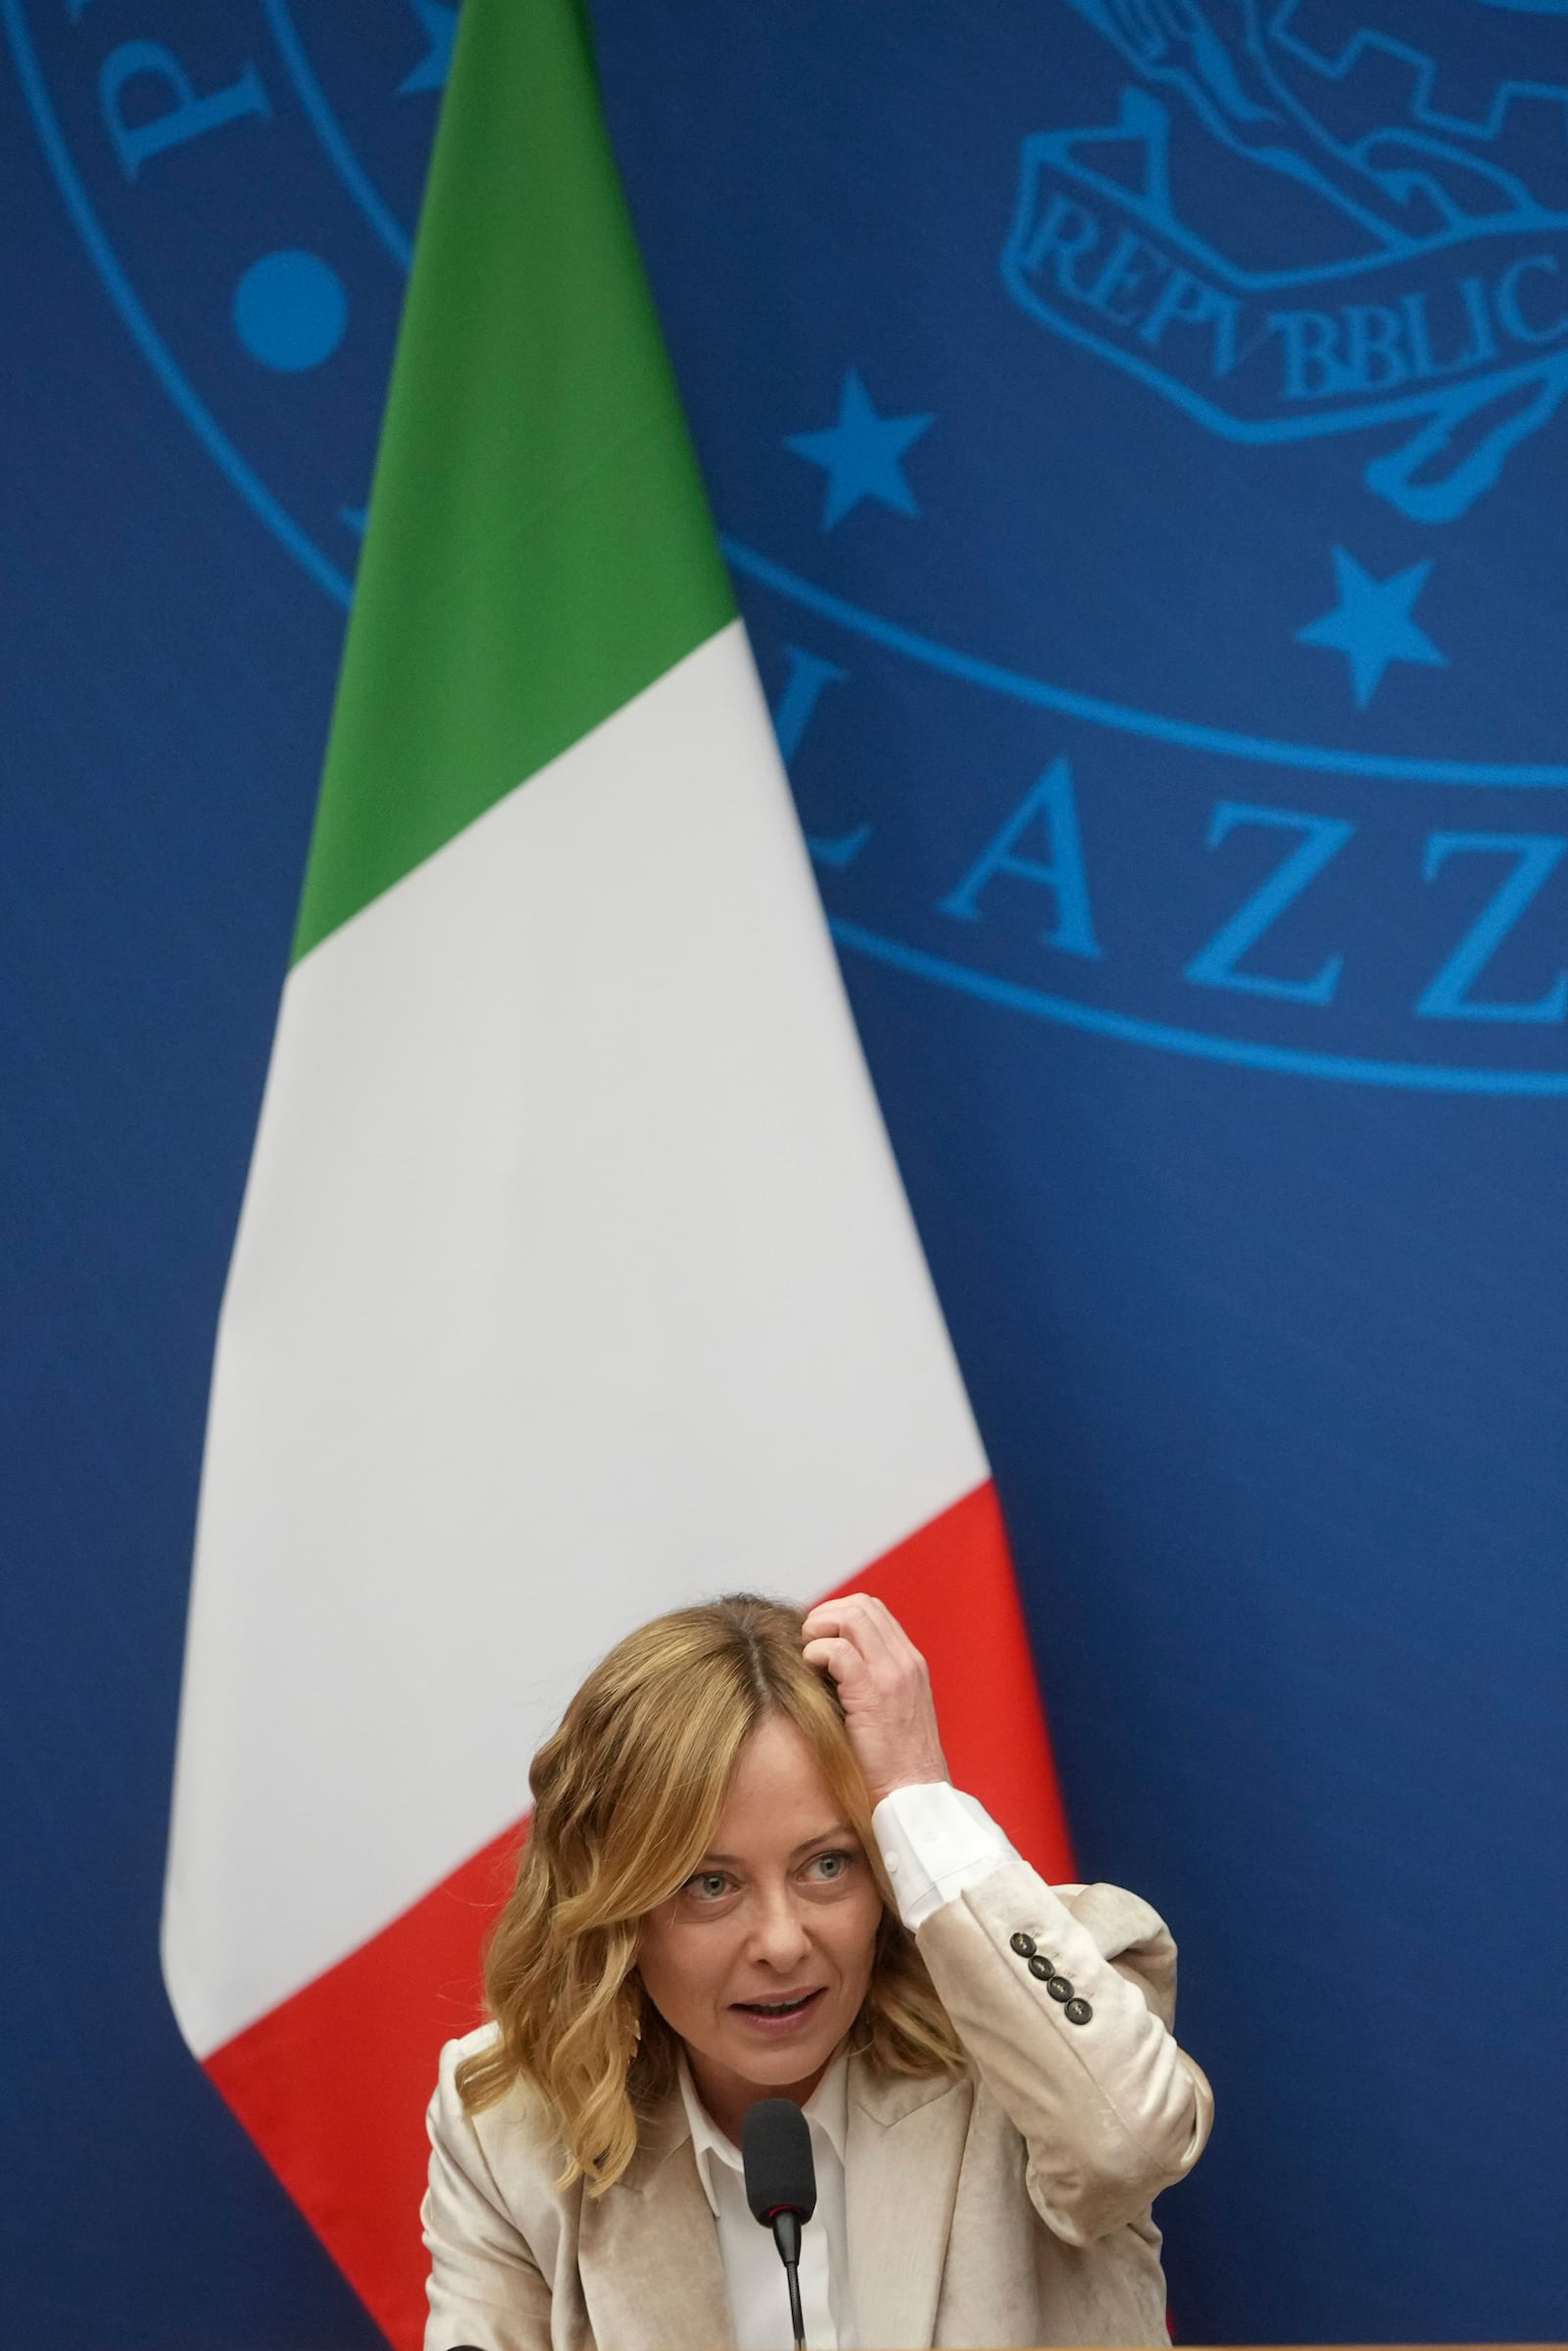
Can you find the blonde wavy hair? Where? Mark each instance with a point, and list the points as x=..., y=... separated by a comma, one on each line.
x=627, y=1794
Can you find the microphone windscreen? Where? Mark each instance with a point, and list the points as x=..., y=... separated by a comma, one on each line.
x=776, y=2154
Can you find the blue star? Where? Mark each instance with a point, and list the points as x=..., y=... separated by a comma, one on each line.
x=439, y=24
x=860, y=455
x=1371, y=623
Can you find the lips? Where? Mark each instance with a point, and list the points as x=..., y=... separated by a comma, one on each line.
x=780, y=2013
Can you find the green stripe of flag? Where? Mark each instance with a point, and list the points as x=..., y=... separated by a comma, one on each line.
x=539, y=546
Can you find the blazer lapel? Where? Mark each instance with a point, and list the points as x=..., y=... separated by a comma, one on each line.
x=906, y=2145
x=648, y=2252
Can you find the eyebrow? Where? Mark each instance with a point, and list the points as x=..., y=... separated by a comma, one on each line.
x=839, y=1829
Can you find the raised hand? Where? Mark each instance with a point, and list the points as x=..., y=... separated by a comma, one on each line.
x=884, y=1689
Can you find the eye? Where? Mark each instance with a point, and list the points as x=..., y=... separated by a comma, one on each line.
x=707, y=1886
x=827, y=1868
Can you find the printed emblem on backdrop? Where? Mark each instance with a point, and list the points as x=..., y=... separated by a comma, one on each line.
x=1303, y=261
x=1314, y=254
x=245, y=180
x=1430, y=292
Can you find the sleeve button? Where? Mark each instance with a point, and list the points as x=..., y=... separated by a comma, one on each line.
x=1024, y=1944
x=1059, y=1988
x=1077, y=2012
x=1042, y=1967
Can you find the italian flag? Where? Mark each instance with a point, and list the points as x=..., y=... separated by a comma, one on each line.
x=575, y=1279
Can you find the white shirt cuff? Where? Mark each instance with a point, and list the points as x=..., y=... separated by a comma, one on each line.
x=936, y=1844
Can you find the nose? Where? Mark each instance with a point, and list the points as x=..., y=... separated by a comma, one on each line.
x=778, y=1938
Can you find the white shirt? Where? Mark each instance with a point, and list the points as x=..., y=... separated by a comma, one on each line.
x=935, y=1844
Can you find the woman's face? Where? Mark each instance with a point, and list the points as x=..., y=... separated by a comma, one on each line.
x=762, y=1959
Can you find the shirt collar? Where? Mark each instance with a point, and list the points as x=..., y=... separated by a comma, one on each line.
x=826, y=2110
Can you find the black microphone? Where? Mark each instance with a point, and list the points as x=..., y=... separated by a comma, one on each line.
x=781, y=2184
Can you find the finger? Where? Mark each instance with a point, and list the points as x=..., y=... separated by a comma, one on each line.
x=856, y=1614
x=852, y=1630
x=839, y=1660
x=832, y=1617
x=843, y=1606
x=871, y=1624
x=891, y=1656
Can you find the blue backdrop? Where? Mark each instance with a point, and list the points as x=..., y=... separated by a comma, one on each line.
x=1134, y=430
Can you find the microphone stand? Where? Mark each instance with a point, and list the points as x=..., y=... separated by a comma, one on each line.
x=787, y=2237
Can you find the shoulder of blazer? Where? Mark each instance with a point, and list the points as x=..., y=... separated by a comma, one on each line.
x=511, y=2148
x=519, y=2140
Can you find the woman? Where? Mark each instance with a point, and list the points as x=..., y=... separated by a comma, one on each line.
x=750, y=1877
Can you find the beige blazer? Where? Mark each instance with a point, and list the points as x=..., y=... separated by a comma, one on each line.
x=1009, y=2207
